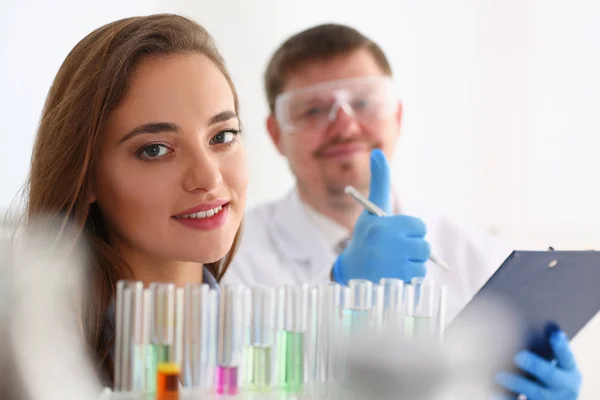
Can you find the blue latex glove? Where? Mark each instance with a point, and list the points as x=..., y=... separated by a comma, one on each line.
x=559, y=380
x=383, y=247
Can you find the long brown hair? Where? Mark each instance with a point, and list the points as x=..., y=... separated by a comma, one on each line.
x=91, y=82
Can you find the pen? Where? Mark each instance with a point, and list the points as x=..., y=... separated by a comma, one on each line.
x=372, y=208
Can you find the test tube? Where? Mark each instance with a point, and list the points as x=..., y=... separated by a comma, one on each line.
x=277, y=357
x=198, y=324
x=311, y=337
x=162, y=330
x=357, y=304
x=377, y=310
x=247, y=320
x=259, y=357
x=129, y=362
x=210, y=326
x=424, y=322
x=393, y=292
x=231, y=336
x=292, y=339
x=409, y=311
x=332, y=322
x=149, y=361
x=179, y=322
x=167, y=381
x=441, y=313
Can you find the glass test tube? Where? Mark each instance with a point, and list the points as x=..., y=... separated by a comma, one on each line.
x=377, y=309
x=358, y=302
x=162, y=330
x=129, y=362
x=311, y=337
x=409, y=311
x=200, y=332
x=149, y=362
x=179, y=322
x=441, y=313
x=332, y=322
x=167, y=381
x=291, y=340
x=277, y=358
x=231, y=337
x=247, y=315
x=393, y=292
x=259, y=358
x=424, y=322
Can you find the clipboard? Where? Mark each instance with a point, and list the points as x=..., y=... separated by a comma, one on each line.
x=541, y=287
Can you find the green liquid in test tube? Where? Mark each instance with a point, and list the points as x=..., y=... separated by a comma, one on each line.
x=262, y=325
x=291, y=339
x=259, y=367
x=292, y=351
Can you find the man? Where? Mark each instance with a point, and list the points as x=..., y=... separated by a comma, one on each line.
x=332, y=101
x=335, y=118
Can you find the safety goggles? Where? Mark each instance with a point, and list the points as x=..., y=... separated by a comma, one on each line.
x=367, y=99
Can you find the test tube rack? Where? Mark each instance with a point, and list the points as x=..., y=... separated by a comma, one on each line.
x=259, y=342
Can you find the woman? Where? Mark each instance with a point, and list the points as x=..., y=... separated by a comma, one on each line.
x=139, y=145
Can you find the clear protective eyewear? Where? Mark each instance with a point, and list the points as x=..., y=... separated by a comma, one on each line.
x=367, y=99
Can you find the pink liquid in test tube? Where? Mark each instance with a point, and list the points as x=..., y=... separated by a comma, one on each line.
x=231, y=335
x=227, y=382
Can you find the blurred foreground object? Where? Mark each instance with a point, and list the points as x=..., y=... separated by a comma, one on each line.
x=386, y=367
x=42, y=347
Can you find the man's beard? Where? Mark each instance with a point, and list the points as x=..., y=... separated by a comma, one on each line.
x=335, y=186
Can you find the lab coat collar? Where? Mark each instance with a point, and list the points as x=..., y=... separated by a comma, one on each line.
x=298, y=236
x=333, y=232
x=330, y=230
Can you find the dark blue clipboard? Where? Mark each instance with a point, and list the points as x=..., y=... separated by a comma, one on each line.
x=545, y=286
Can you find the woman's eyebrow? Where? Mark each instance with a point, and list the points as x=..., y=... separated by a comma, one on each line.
x=152, y=127
x=159, y=127
x=222, y=117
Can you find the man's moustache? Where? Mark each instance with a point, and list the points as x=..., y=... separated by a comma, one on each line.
x=321, y=150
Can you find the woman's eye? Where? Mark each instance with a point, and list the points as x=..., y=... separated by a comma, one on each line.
x=224, y=137
x=154, y=151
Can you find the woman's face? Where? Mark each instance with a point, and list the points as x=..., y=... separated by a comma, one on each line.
x=171, y=175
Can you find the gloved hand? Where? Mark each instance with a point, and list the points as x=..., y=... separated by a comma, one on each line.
x=559, y=380
x=383, y=247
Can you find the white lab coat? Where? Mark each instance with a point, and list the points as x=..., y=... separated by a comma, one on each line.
x=281, y=245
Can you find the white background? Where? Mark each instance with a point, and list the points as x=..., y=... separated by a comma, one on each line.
x=501, y=102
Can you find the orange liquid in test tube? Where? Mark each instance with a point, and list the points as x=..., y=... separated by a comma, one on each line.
x=167, y=382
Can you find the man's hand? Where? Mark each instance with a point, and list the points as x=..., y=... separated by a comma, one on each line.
x=558, y=380
x=383, y=247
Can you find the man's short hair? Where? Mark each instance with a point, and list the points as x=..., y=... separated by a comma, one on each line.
x=319, y=43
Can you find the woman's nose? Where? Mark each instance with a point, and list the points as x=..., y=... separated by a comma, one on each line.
x=203, y=173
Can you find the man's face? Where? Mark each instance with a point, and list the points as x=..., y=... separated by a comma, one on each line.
x=329, y=117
